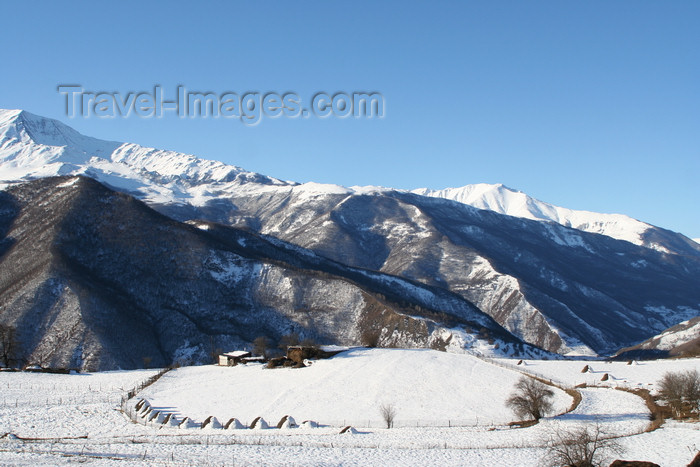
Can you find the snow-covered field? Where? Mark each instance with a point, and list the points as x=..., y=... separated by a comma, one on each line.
x=626, y=374
x=63, y=419
x=425, y=386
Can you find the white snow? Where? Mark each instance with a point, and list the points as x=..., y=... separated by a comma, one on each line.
x=33, y=146
x=677, y=335
x=504, y=200
x=638, y=374
x=74, y=418
x=348, y=390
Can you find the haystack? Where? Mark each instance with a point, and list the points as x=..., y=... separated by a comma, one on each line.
x=145, y=407
x=144, y=414
x=187, y=423
x=287, y=422
x=173, y=421
x=259, y=424
x=211, y=423
x=234, y=424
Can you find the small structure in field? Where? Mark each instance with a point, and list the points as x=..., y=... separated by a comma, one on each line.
x=211, y=423
x=173, y=422
x=253, y=359
x=259, y=424
x=233, y=358
x=233, y=424
x=188, y=423
x=287, y=422
x=299, y=353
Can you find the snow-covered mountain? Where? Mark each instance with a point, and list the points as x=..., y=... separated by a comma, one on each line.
x=544, y=273
x=504, y=200
x=34, y=147
x=681, y=340
x=93, y=279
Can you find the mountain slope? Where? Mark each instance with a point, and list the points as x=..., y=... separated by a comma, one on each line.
x=504, y=200
x=94, y=279
x=556, y=287
x=560, y=288
x=681, y=340
x=34, y=147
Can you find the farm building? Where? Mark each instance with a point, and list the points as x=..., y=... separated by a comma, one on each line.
x=233, y=358
x=299, y=353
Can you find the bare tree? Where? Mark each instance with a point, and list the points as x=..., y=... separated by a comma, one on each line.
x=581, y=446
x=530, y=398
x=680, y=390
x=8, y=344
x=388, y=412
x=214, y=350
x=260, y=345
x=309, y=342
x=288, y=340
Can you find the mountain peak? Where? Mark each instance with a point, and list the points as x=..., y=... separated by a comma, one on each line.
x=26, y=126
x=33, y=147
x=9, y=115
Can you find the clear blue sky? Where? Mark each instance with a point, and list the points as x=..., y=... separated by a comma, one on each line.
x=589, y=105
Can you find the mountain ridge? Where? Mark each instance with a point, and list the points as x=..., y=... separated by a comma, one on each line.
x=505, y=200
x=545, y=282
x=95, y=279
x=169, y=177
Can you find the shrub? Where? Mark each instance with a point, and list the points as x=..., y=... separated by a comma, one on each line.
x=530, y=398
x=581, y=447
x=681, y=391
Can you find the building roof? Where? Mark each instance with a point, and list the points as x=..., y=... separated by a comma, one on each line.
x=237, y=353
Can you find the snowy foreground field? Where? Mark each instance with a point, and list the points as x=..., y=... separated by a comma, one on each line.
x=449, y=411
